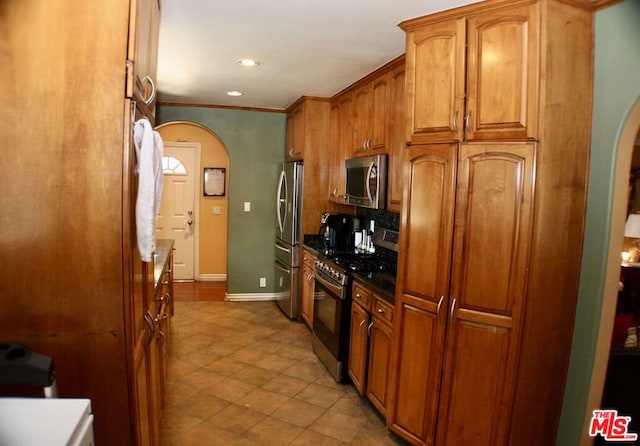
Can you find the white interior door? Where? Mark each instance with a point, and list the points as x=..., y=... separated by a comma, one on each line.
x=177, y=216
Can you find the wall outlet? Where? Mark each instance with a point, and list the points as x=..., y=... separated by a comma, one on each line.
x=217, y=210
x=247, y=206
x=263, y=282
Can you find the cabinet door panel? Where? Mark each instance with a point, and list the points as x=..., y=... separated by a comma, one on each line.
x=474, y=397
x=378, y=370
x=435, y=82
x=428, y=222
x=494, y=200
x=502, y=78
x=362, y=100
x=415, y=380
x=379, y=111
x=493, y=223
x=397, y=126
x=358, y=347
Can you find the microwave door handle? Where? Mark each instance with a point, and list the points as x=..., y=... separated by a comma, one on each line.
x=371, y=167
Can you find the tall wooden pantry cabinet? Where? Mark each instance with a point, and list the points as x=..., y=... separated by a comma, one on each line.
x=72, y=285
x=498, y=127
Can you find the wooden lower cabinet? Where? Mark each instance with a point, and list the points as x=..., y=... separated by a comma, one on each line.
x=152, y=347
x=359, y=347
x=380, y=335
x=370, y=345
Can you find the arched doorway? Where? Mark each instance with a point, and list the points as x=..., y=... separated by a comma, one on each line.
x=626, y=143
x=211, y=210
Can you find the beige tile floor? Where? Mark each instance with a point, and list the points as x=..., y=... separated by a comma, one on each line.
x=241, y=373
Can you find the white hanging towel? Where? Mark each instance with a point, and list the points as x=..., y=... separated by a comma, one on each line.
x=149, y=151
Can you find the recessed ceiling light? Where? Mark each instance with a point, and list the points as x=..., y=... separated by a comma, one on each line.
x=248, y=63
x=234, y=93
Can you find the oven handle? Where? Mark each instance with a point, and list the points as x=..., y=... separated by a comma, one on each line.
x=338, y=289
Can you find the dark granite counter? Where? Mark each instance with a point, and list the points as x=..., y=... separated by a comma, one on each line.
x=312, y=243
x=382, y=283
x=163, y=249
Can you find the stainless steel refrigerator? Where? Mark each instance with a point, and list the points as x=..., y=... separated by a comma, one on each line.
x=288, y=239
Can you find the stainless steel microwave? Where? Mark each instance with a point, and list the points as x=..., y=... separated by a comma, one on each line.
x=366, y=179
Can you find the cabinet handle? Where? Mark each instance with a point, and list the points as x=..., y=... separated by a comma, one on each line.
x=170, y=302
x=291, y=152
x=152, y=96
x=148, y=319
x=467, y=121
x=310, y=277
x=362, y=322
x=453, y=308
x=163, y=337
x=369, y=329
x=454, y=121
x=438, y=309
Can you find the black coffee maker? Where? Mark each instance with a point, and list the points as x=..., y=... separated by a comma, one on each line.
x=336, y=230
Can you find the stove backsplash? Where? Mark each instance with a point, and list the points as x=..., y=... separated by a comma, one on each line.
x=386, y=219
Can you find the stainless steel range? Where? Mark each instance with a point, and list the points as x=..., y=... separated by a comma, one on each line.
x=332, y=301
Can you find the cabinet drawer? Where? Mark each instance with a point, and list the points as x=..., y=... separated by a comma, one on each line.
x=362, y=295
x=382, y=309
x=308, y=258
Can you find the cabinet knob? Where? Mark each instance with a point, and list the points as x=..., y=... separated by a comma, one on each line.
x=381, y=310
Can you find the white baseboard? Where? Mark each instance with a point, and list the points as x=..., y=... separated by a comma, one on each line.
x=249, y=297
x=213, y=278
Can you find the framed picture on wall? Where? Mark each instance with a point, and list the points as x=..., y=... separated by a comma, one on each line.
x=214, y=181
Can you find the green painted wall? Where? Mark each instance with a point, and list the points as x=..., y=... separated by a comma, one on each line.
x=616, y=90
x=255, y=141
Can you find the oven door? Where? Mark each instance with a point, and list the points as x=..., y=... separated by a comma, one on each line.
x=331, y=316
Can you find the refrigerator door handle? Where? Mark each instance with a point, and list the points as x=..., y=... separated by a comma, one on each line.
x=283, y=269
x=282, y=248
x=282, y=183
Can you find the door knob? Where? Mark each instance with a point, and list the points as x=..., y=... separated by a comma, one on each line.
x=190, y=221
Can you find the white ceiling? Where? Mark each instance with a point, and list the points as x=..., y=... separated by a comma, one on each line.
x=305, y=47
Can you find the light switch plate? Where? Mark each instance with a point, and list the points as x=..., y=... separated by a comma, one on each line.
x=216, y=210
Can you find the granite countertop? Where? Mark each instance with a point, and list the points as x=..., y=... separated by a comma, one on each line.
x=163, y=249
x=382, y=283
x=312, y=243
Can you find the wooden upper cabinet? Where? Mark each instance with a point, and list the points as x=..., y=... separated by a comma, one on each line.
x=396, y=137
x=435, y=81
x=371, y=103
x=340, y=138
x=142, y=52
x=499, y=68
x=502, y=74
x=295, y=133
